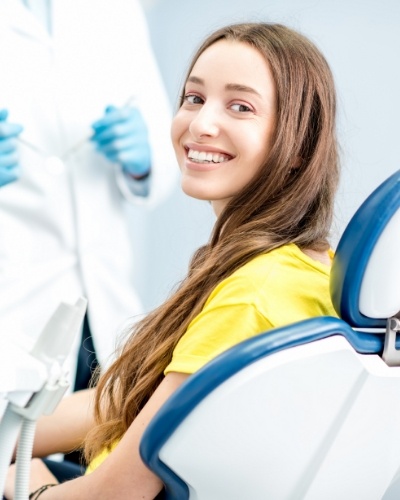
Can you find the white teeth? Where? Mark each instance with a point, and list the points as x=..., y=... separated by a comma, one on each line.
x=206, y=157
x=209, y=157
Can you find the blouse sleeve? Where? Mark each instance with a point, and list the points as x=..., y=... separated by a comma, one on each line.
x=214, y=330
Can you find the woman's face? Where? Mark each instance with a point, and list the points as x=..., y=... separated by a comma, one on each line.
x=223, y=131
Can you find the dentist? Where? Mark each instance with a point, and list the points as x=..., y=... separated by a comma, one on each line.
x=84, y=129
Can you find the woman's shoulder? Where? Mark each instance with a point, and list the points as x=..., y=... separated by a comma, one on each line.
x=286, y=268
x=284, y=259
x=285, y=285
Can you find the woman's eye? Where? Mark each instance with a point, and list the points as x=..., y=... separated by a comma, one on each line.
x=242, y=108
x=193, y=99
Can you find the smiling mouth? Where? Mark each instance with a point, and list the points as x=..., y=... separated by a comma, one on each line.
x=207, y=156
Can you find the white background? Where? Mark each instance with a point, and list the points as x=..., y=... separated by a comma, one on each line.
x=360, y=39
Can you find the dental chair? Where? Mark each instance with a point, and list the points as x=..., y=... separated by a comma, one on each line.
x=308, y=411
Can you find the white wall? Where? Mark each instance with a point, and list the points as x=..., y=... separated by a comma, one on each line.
x=361, y=40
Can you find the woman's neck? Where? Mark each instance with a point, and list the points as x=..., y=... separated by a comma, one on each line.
x=320, y=256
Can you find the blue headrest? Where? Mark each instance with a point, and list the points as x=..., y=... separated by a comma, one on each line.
x=374, y=228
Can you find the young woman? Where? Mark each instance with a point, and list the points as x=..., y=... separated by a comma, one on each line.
x=254, y=135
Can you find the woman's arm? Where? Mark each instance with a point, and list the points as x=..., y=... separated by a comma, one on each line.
x=66, y=428
x=122, y=475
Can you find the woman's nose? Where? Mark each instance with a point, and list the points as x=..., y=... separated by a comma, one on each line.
x=206, y=122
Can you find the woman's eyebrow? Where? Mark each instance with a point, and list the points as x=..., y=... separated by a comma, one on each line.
x=242, y=88
x=229, y=86
x=195, y=79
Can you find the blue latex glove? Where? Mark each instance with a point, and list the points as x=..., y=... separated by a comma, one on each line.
x=121, y=136
x=9, y=158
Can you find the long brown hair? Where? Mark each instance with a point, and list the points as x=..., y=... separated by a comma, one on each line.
x=289, y=201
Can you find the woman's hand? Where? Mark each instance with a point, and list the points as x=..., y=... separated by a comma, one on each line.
x=40, y=475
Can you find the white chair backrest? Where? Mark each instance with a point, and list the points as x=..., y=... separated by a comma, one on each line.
x=365, y=277
x=380, y=286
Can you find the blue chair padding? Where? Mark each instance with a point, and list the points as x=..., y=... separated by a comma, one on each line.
x=355, y=248
x=227, y=364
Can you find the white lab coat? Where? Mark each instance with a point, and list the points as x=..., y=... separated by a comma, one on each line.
x=65, y=233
